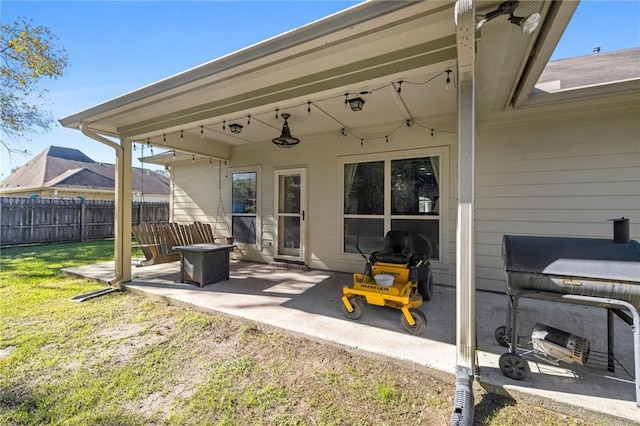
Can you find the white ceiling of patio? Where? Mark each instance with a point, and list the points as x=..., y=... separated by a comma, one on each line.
x=310, y=76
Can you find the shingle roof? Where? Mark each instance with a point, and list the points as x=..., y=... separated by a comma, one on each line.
x=81, y=178
x=582, y=71
x=57, y=167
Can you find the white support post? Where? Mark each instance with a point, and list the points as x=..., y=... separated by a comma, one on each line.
x=465, y=245
x=123, y=203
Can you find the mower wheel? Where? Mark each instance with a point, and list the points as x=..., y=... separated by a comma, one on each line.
x=425, y=286
x=513, y=366
x=501, y=336
x=358, y=308
x=420, y=322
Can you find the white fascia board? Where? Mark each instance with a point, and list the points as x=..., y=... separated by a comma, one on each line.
x=323, y=27
x=555, y=21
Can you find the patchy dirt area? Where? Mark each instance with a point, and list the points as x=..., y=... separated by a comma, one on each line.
x=125, y=359
x=313, y=374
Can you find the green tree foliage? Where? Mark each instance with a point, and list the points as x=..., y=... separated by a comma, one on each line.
x=28, y=53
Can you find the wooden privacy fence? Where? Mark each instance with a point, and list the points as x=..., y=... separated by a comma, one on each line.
x=40, y=220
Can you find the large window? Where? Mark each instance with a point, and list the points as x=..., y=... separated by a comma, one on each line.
x=244, y=192
x=392, y=194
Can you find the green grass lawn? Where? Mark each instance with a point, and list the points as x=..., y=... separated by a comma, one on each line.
x=122, y=359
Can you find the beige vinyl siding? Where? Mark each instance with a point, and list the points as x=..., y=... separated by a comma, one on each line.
x=558, y=176
x=194, y=194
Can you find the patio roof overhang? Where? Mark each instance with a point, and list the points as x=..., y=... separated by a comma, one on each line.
x=366, y=50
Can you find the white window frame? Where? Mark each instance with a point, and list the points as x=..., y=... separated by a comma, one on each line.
x=444, y=182
x=258, y=171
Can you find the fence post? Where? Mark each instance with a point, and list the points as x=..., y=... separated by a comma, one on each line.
x=83, y=220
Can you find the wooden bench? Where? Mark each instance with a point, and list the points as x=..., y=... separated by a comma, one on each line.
x=157, y=240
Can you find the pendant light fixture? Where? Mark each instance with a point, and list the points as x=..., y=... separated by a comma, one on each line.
x=235, y=128
x=356, y=104
x=285, y=140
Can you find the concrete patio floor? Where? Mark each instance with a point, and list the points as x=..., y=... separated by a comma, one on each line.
x=308, y=302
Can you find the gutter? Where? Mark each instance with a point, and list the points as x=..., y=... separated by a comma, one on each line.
x=116, y=283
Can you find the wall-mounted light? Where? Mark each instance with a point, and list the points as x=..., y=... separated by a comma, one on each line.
x=356, y=104
x=527, y=24
x=235, y=128
x=285, y=140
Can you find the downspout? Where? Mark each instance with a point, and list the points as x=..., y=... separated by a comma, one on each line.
x=463, y=405
x=117, y=281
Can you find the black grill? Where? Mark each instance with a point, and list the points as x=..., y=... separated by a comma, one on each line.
x=583, y=266
x=586, y=271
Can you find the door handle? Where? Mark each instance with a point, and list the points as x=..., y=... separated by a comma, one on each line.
x=302, y=214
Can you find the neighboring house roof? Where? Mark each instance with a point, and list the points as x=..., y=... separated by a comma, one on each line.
x=590, y=70
x=59, y=167
x=82, y=177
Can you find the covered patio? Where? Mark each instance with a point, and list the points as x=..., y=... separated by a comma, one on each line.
x=379, y=86
x=307, y=302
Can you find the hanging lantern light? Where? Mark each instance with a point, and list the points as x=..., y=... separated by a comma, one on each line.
x=235, y=128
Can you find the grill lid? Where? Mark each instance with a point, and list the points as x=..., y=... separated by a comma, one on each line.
x=572, y=257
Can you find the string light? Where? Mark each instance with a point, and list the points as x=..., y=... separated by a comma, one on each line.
x=148, y=142
x=449, y=82
x=344, y=132
x=224, y=125
x=181, y=137
x=174, y=155
x=193, y=158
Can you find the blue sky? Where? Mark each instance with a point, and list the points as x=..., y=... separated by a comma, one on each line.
x=119, y=46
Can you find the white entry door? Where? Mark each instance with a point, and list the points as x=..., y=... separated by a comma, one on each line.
x=290, y=197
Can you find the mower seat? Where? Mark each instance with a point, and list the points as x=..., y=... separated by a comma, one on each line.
x=398, y=248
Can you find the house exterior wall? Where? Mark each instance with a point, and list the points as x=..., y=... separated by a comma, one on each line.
x=561, y=171
x=556, y=171
x=195, y=192
x=150, y=198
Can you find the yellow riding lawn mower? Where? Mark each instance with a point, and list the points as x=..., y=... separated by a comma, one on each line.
x=396, y=277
